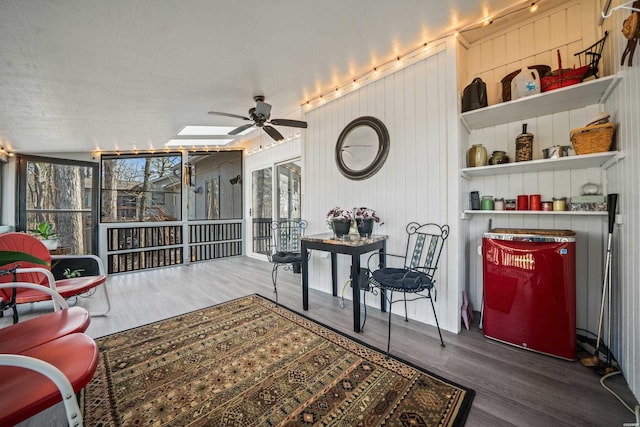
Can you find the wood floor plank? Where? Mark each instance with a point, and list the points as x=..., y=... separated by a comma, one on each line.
x=513, y=386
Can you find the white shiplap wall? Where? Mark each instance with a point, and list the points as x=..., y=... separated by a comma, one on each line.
x=412, y=184
x=569, y=28
x=624, y=179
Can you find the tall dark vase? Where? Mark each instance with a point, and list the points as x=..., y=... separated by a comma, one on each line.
x=365, y=226
x=341, y=227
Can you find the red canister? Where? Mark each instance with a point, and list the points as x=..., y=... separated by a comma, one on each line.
x=534, y=202
x=523, y=202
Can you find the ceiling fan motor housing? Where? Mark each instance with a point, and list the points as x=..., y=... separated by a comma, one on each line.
x=260, y=115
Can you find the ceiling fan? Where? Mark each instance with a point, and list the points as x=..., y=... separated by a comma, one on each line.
x=260, y=115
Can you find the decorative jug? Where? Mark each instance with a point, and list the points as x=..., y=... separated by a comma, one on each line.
x=476, y=156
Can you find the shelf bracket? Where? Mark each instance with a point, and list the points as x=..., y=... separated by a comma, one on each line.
x=609, y=90
x=612, y=161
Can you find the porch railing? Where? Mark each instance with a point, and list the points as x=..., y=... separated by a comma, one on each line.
x=209, y=240
x=141, y=246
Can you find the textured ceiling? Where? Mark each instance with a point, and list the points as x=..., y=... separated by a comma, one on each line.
x=80, y=75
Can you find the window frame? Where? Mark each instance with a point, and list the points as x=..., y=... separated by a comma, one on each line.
x=141, y=156
x=21, y=191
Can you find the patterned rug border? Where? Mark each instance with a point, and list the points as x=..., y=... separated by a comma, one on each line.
x=465, y=406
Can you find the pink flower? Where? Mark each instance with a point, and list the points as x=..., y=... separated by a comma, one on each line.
x=339, y=213
x=364, y=212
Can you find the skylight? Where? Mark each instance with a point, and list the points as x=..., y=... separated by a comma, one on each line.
x=192, y=130
x=189, y=142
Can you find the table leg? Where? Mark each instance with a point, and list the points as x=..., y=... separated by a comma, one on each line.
x=305, y=276
x=334, y=274
x=382, y=263
x=355, y=286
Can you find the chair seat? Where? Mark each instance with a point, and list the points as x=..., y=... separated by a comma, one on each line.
x=25, y=392
x=25, y=335
x=400, y=279
x=65, y=287
x=286, y=257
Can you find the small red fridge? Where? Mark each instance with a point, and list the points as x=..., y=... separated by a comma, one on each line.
x=530, y=289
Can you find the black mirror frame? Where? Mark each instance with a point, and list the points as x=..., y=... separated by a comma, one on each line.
x=381, y=156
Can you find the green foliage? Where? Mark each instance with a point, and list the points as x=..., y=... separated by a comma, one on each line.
x=70, y=274
x=44, y=230
x=9, y=257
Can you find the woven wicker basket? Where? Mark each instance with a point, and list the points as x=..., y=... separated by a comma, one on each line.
x=593, y=139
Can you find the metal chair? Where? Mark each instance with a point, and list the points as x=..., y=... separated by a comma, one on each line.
x=591, y=56
x=285, y=248
x=420, y=263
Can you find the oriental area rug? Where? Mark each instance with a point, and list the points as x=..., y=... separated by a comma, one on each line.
x=250, y=362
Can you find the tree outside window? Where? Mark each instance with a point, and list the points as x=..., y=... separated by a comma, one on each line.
x=141, y=188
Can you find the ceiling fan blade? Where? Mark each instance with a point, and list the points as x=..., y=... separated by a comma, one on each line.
x=287, y=122
x=215, y=113
x=240, y=129
x=273, y=133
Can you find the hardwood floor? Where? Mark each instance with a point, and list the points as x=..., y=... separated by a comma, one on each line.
x=513, y=386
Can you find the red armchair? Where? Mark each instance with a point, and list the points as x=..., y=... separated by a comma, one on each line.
x=45, y=360
x=34, y=273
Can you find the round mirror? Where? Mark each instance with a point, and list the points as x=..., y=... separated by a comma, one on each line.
x=362, y=148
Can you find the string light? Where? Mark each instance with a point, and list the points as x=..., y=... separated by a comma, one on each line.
x=414, y=54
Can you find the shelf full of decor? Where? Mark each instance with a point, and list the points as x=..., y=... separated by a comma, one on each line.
x=578, y=213
x=583, y=161
x=591, y=92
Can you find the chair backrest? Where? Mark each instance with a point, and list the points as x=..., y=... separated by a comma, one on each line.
x=286, y=235
x=22, y=242
x=424, y=246
x=591, y=56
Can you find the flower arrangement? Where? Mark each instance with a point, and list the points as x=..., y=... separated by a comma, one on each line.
x=338, y=213
x=364, y=213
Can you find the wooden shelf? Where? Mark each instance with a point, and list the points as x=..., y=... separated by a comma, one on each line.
x=561, y=163
x=563, y=99
x=583, y=213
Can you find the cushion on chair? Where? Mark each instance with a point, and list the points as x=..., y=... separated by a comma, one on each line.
x=400, y=279
x=25, y=392
x=47, y=327
x=286, y=257
x=65, y=287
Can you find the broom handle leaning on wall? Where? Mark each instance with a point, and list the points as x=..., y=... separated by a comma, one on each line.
x=612, y=202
